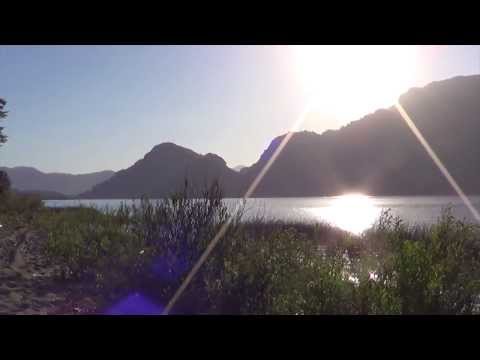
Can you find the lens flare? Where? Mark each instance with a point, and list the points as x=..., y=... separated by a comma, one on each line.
x=437, y=161
x=135, y=304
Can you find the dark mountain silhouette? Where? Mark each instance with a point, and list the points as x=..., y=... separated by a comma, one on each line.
x=31, y=179
x=379, y=154
x=163, y=171
x=44, y=195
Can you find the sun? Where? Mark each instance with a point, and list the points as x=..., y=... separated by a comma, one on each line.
x=345, y=83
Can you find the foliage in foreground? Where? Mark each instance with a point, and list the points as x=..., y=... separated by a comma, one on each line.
x=18, y=210
x=267, y=267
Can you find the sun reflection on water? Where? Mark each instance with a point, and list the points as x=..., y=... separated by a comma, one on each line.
x=351, y=212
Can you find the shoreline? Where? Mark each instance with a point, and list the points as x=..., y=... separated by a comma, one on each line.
x=83, y=244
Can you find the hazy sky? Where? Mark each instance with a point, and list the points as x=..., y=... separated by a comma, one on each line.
x=87, y=108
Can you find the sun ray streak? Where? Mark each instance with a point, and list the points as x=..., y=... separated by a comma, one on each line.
x=437, y=161
x=224, y=227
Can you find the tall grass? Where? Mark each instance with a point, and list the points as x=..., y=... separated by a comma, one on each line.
x=264, y=266
x=17, y=210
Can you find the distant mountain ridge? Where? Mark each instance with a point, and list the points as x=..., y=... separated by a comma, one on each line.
x=44, y=195
x=163, y=171
x=377, y=155
x=25, y=178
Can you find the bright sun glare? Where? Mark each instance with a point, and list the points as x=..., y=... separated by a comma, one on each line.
x=347, y=82
x=351, y=212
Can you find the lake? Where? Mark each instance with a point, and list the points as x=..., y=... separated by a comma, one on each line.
x=352, y=212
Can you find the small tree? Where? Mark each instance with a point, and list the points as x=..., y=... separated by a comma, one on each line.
x=3, y=115
x=4, y=181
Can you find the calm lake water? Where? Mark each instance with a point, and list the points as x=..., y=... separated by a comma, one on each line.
x=351, y=212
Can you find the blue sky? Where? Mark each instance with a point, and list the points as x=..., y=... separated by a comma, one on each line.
x=80, y=109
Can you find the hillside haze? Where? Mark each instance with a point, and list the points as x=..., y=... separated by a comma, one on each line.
x=29, y=179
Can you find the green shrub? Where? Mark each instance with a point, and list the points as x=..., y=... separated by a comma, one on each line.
x=18, y=210
x=264, y=266
x=430, y=270
x=89, y=245
x=4, y=183
x=279, y=273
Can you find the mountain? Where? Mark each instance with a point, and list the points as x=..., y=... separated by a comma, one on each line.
x=44, y=195
x=163, y=170
x=379, y=154
x=31, y=179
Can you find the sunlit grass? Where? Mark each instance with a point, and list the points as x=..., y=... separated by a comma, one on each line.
x=269, y=267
